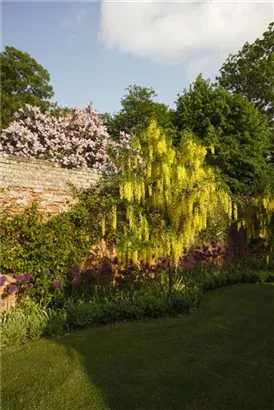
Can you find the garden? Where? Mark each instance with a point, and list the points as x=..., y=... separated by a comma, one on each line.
x=155, y=289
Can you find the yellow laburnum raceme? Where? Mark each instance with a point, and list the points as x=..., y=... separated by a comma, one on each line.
x=177, y=186
x=103, y=226
x=260, y=221
x=268, y=203
x=114, y=218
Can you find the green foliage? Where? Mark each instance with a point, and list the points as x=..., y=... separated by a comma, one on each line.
x=56, y=322
x=138, y=110
x=94, y=312
x=217, y=228
x=182, y=302
x=213, y=277
x=238, y=132
x=23, y=81
x=143, y=299
x=13, y=327
x=35, y=319
x=251, y=72
x=31, y=245
x=31, y=321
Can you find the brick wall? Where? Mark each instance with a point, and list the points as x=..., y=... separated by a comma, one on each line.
x=25, y=180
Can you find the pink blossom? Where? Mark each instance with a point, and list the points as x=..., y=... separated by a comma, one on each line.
x=78, y=139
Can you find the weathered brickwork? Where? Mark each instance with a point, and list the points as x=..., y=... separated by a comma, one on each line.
x=25, y=180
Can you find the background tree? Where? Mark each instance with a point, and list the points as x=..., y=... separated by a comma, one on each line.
x=237, y=130
x=138, y=110
x=251, y=72
x=23, y=81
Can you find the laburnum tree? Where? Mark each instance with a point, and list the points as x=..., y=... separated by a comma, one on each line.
x=163, y=201
x=239, y=132
x=76, y=138
x=23, y=81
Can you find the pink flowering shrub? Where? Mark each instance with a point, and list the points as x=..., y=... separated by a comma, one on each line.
x=77, y=139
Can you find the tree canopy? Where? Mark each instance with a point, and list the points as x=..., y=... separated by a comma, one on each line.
x=232, y=125
x=250, y=72
x=138, y=110
x=23, y=81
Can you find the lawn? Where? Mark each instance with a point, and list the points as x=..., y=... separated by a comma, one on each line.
x=220, y=357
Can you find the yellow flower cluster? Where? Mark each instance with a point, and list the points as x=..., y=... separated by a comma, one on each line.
x=174, y=183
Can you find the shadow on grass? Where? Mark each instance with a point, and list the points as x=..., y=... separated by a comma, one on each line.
x=221, y=357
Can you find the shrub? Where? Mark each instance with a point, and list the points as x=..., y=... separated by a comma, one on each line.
x=13, y=327
x=77, y=138
x=48, y=250
x=36, y=319
x=212, y=277
x=31, y=321
x=145, y=299
x=56, y=322
x=182, y=302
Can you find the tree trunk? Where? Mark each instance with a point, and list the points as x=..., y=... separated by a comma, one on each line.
x=170, y=279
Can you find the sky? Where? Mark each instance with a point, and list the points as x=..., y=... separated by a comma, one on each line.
x=94, y=50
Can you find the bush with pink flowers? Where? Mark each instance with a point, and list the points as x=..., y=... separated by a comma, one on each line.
x=75, y=139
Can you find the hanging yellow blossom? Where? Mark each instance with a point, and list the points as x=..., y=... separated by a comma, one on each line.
x=173, y=186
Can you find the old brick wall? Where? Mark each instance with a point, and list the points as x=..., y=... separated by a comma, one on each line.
x=24, y=181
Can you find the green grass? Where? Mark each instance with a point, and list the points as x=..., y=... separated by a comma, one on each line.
x=220, y=357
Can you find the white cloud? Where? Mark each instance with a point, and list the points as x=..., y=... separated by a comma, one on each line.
x=198, y=33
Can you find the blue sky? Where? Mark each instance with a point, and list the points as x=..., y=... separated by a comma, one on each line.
x=93, y=50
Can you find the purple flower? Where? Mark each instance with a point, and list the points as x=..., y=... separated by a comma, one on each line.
x=76, y=270
x=57, y=284
x=28, y=285
x=185, y=264
x=12, y=288
x=27, y=276
x=19, y=278
x=88, y=273
x=3, y=279
x=46, y=272
x=76, y=280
